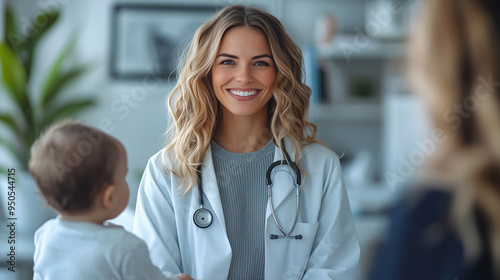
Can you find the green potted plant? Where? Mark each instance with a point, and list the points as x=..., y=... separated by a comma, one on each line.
x=31, y=109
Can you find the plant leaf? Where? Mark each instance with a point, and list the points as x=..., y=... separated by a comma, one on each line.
x=13, y=75
x=11, y=123
x=42, y=22
x=64, y=80
x=15, y=81
x=66, y=110
x=3, y=171
x=10, y=29
x=57, y=80
x=55, y=71
x=13, y=150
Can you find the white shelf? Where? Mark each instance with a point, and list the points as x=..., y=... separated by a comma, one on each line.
x=349, y=48
x=345, y=112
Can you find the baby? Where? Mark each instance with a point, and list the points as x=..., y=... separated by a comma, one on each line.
x=80, y=172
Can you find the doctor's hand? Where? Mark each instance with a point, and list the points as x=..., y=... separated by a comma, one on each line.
x=184, y=276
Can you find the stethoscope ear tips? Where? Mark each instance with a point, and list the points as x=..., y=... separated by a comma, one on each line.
x=202, y=218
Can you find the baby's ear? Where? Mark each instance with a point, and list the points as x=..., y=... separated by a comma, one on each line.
x=107, y=195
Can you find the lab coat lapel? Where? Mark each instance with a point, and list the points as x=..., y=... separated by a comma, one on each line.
x=210, y=187
x=280, y=189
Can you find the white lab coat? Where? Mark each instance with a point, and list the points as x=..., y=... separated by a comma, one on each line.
x=329, y=248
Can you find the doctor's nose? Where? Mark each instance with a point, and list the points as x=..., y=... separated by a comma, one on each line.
x=244, y=75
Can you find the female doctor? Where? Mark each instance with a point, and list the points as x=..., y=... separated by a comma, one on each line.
x=243, y=189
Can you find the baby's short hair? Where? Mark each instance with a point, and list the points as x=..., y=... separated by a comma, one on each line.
x=71, y=163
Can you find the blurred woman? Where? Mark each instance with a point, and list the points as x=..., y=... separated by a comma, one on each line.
x=449, y=227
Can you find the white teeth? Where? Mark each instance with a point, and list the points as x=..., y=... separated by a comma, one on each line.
x=243, y=93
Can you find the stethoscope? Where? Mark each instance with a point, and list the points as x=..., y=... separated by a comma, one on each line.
x=203, y=217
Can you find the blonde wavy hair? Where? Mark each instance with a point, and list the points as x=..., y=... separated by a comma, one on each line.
x=459, y=53
x=194, y=106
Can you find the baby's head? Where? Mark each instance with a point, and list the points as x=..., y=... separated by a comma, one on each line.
x=80, y=170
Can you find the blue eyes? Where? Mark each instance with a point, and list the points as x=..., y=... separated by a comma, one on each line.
x=230, y=62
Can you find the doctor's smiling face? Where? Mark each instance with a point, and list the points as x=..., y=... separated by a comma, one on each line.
x=243, y=73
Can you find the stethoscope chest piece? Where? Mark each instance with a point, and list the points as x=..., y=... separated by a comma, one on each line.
x=202, y=218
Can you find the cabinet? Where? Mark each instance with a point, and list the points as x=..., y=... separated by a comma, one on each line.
x=365, y=58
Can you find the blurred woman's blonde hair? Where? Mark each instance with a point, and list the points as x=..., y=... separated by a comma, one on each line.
x=456, y=48
x=194, y=106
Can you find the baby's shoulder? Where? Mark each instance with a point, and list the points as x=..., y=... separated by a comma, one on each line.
x=45, y=229
x=119, y=237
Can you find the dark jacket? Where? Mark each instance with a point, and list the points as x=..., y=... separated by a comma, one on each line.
x=421, y=244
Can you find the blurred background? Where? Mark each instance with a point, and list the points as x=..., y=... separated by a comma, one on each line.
x=111, y=64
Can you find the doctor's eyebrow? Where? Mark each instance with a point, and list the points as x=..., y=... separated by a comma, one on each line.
x=236, y=57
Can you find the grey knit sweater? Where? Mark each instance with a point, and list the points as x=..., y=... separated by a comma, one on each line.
x=242, y=187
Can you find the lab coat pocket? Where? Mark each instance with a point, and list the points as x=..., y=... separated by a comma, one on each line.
x=301, y=250
x=288, y=258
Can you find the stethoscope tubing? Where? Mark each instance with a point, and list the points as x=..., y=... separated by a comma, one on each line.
x=270, y=197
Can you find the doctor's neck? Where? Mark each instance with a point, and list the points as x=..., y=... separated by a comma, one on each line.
x=242, y=134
